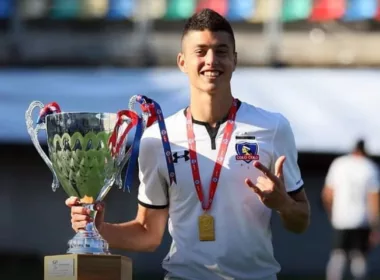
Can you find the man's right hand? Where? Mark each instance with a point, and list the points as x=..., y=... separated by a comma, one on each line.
x=80, y=216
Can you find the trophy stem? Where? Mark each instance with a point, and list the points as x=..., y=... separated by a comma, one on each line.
x=88, y=240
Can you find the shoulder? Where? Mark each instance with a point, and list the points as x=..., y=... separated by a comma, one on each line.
x=372, y=166
x=152, y=134
x=340, y=161
x=264, y=118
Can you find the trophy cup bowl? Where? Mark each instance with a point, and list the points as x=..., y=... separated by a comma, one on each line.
x=81, y=161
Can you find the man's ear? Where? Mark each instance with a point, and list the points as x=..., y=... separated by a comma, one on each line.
x=235, y=60
x=181, y=62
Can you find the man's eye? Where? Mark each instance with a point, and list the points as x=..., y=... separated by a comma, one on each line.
x=222, y=52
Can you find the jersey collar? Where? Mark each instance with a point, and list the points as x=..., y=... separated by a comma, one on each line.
x=223, y=120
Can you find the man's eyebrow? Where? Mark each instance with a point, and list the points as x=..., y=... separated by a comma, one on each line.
x=215, y=46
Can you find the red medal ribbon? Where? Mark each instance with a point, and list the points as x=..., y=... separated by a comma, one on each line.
x=219, y=161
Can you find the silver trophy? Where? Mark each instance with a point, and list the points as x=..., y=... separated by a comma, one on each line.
x=87, y=153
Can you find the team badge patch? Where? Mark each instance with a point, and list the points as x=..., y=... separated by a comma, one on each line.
x=247, y=151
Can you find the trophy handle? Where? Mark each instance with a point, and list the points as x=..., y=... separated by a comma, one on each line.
x=33, y=132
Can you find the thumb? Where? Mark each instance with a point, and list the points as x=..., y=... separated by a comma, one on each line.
x=100, y=208
x=278, y=167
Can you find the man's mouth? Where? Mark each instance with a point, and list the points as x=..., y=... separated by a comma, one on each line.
x=211, y=73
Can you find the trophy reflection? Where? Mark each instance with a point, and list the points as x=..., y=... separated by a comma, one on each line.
x=86, y=156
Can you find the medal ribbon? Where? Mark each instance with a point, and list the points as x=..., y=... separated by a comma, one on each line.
x=155, y=111
x=219, y=161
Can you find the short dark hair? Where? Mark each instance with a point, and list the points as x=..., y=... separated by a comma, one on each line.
x=208, y=19
x=360, y=146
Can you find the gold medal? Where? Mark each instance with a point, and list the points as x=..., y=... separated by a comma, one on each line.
x=206, y=228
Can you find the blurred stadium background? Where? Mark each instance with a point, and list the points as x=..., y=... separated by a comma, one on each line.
x=314, y=61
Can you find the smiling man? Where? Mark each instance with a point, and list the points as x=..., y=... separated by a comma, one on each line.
x=235, y=164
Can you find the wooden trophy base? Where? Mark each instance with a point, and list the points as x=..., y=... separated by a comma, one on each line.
x=87, y=267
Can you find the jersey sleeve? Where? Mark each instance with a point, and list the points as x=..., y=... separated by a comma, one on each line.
x=373, y=181
x=284, y=145
x=330, y=177
x=153, y=189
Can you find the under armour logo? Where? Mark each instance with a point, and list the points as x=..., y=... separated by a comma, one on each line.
x=185, y=156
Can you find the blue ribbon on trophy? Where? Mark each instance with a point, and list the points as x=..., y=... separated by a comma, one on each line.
x=134, y=154
x=151, y=106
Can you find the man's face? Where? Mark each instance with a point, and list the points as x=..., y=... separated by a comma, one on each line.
x=209, y=59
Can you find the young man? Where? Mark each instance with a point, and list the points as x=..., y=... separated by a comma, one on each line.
x=225, y=235
x=351, y=199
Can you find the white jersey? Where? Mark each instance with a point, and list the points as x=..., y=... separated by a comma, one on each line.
x=352, y=178
x=243, y=247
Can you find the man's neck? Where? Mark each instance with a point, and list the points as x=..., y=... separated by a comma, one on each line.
x=210, y=108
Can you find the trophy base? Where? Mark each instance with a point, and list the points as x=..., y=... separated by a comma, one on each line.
x=84, y=267
x=88, y=241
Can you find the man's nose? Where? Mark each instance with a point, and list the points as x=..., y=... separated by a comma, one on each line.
x=211, y=58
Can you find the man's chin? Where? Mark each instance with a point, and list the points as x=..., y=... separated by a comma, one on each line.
x=211, y=89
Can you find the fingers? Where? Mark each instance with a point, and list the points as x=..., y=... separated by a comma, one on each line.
x=72, y=201
x=279, y=165
x=80, y=210
x=255, y=188
x=99, y=206
x=77, y=226
x=265, y=170
x=80, y=216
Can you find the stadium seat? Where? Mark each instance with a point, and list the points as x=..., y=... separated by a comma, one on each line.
x=239, y=10
x=262, y=12
x=121, y=9
x=180, y=9
x=294, y=10
x=157, y=9
x=220, y=6
x=94, y=8
x=326, y=10
x=65, y=9
x=5, y=8
x=149, y=9
x=358, y=10
x=33, y=9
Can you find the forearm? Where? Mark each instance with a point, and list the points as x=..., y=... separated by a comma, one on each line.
x=295, y=216
x=327, y=205
x=327, y=199
x=374, y=209
x=130, y=236
x=374, y=219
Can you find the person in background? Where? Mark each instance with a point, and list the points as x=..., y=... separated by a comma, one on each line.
x=351, y=199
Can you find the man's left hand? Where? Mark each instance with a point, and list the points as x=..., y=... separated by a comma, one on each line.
x=270, y=187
